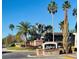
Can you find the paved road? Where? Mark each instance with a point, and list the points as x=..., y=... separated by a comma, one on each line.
x=25, y=55
x=16, y=55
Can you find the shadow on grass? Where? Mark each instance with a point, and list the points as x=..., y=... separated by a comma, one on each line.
x=3, y=52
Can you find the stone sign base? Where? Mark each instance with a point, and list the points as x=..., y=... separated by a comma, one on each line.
x=44, y=52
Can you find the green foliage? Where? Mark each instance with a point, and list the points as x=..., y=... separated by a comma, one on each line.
x=74, y=12
x=18, y=39
x=4, y=40
x=23, y=27
x=12, y=45
x=11, y=26
x=61, y=25
x=52, y=7
x=66, y=5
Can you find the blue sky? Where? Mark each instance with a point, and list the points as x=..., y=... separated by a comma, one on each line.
x=33, y=11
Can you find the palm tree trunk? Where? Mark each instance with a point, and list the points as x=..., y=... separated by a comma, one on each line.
x=25, y=39
x=53, y=25
x=65, y=33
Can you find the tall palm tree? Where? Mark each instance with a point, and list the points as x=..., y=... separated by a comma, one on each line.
x=75, y=14
x=11, y=27
x=66, y=6
x=24, y=29
x=52, y=8
x=61, y=25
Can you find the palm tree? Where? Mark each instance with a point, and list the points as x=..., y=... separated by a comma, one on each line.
x=61, y=25
x=18, y=39
x=24, y=29
x=52, y=8
x=75, y=14
x=11, y=27
x=66, y=6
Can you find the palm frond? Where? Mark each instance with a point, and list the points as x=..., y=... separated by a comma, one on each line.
x=66, y=5
x=52, y=7
x=23, y=27
x=74, y=11
x=11, y=26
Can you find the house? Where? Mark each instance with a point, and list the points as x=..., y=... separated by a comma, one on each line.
x=58, y=38
x=36, y=42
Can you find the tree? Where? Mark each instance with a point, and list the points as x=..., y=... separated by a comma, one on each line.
x=75, y=14
x=36, y=31
x=11, y=27
x=18, y=39
x=4, y=42
x=33, y=32
x=66, y=6
x=48, y=28
x=52, y=8
x=61, y=25
x=48, y=37
x=23, y=28
x=9, y=40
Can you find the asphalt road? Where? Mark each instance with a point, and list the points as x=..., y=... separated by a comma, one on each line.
x=25, y=55
x=16, y=55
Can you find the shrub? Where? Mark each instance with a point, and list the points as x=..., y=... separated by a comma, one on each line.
x=12, y=45
x=60, y=52
x=75, y=49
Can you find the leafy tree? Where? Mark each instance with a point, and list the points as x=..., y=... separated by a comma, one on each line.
x=48, y=37
x=48, y=28
x=33, y=32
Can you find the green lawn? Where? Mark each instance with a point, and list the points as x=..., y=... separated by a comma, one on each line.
x=19, y=48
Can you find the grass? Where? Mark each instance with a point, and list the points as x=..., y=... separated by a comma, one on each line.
x=19, y=48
